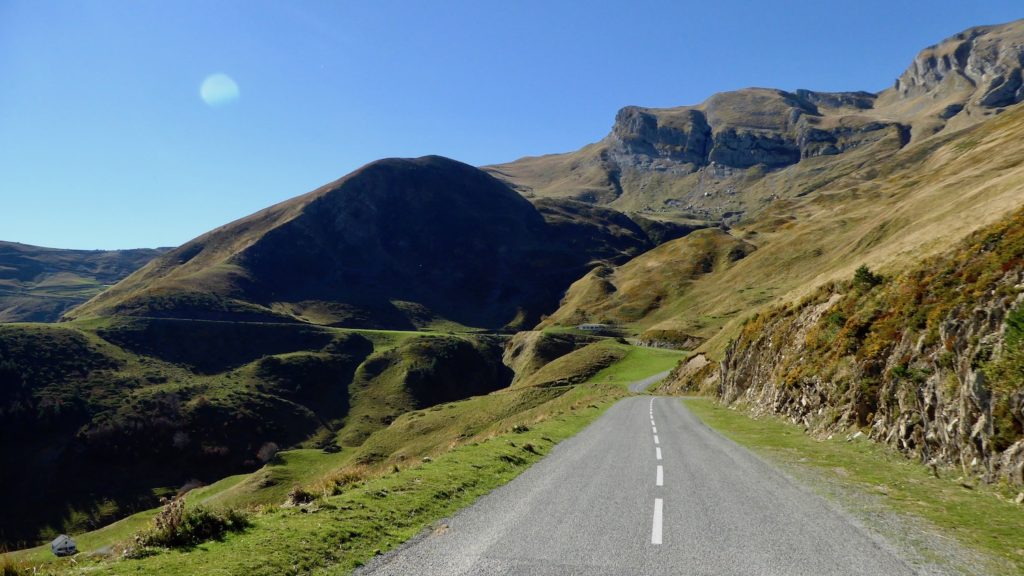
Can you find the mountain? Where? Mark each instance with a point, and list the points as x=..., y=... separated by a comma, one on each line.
x=889, y=211
x=397, y=244
x=39, y=284
x=711, y=160
x=348, y=322
x=243, y=338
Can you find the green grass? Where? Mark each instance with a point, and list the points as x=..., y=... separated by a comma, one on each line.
x=639, y=363
x=292, y=398
x=340, y=532
x=981, y=517
x=426, y=465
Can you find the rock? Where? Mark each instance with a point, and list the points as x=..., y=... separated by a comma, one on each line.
x=984, y=62
x=1019, y=499
x=937, y=408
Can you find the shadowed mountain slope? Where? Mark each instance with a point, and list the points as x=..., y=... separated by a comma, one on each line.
x=100, y=420
x=397, y=244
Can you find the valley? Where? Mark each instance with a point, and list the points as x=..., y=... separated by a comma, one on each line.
x=471, y=355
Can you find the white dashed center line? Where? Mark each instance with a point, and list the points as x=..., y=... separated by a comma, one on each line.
x=656, y=526
x=659, y=481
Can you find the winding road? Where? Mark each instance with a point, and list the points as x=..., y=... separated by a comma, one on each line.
x=647, y=489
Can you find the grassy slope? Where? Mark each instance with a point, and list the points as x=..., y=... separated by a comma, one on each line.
x=289, y=396
x=885, y=212
x=639, y=363
x=473, y=449
x=39, y=284
x=980, y=517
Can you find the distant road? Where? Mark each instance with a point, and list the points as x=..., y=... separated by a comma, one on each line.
x=641, y=385
x=647, y=489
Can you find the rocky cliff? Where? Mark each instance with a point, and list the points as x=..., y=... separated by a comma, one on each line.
x=930, y=362
x=708, y=159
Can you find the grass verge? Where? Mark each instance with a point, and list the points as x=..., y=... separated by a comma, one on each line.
x=336, y=533
x=982, y=518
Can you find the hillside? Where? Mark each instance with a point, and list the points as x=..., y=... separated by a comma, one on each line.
x=39, y=284
x=135, y=409
x=397, y=244
x=928, y=361
x=887, y=213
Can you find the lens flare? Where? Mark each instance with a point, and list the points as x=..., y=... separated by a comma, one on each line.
x=218, y=90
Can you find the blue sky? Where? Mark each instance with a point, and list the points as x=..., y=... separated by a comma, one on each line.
x=105, y=141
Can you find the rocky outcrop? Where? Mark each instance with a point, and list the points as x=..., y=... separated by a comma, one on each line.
x=930, y=362
x=646, y=135
x=929, y=398
x=986, y=61
x=754, y=127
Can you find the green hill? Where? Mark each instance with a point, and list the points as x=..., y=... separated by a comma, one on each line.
x=39, y=284
x=100, y=420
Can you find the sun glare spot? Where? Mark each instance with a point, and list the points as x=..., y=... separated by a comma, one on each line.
x=218, y=90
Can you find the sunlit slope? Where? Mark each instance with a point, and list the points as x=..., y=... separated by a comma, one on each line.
x=886, y=213
x=39, y=284
x=709, y=160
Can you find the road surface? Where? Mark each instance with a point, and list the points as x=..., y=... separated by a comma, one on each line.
x=641, y=385
x=647, y=489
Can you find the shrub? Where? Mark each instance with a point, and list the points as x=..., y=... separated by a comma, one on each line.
x=180, y=526
x=337, y=482
x=298, y=496
x=863, y=277
x=267, y=452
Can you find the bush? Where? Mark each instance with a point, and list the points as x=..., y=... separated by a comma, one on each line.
x=267, y=452
x=179, y=526
x=863, y=277
x=298, y=496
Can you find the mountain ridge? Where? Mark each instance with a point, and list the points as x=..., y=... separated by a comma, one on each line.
x=375, y=249
x=703, y=158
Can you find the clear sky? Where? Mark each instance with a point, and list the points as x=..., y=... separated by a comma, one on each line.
x=108, y=138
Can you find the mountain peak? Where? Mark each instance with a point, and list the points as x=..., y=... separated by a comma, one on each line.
x=963, y=78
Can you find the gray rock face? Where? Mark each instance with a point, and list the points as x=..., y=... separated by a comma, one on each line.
x=986, y=60
x=745, y=148
x=770, y=128
x=684, y=138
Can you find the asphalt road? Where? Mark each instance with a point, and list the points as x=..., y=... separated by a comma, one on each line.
x=641, y=385
x=647, y=489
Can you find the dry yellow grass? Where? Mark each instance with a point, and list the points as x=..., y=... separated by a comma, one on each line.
x=885, y=212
